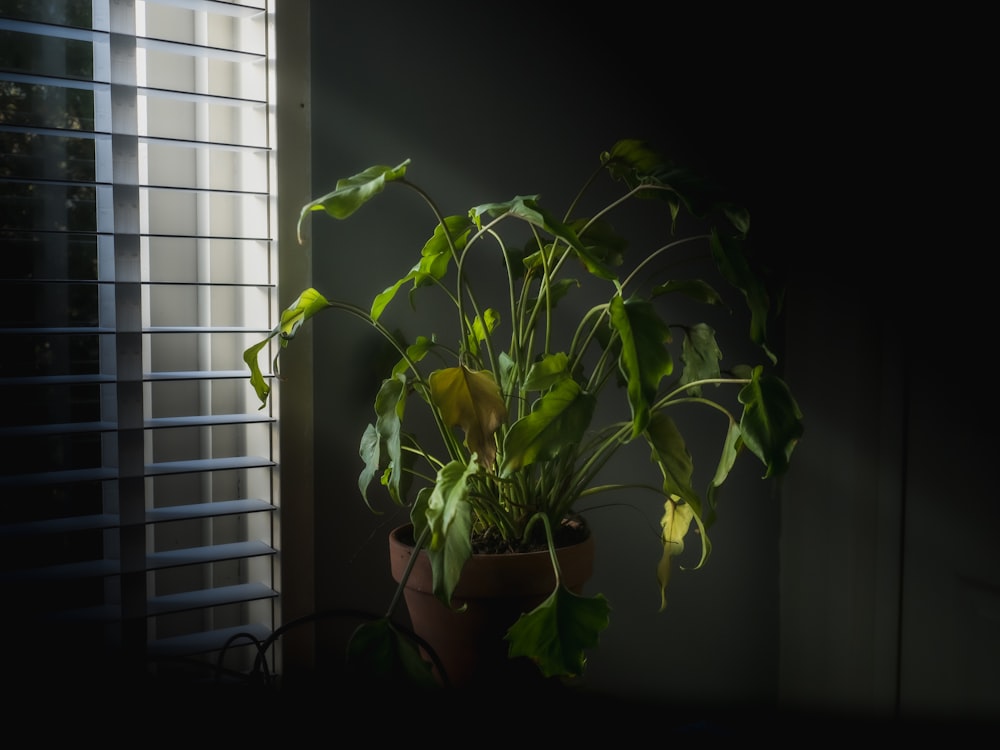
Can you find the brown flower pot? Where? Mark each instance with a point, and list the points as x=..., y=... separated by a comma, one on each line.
x=497, y=588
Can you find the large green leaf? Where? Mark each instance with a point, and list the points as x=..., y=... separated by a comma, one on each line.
x=701, y=356
x=449, y=516
x=470, y=399
x=390, y=405
x=670, y=452
x=771, y=424
x=731, y=448
x=378, y=652
x=556, y=633
x=370, y=451
x=644, y=358
x=557, y=421
x=732, y=261
x=351, y=193
x=549, y=370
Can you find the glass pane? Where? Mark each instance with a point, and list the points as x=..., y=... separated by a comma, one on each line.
x=65, y=12
x=46, y=55
x=33, y=404
x=29, y=255
x=48, y=354
x=48, y=453
x=34, y=155
x=49, y=305
x=46, y=106
x=52, y=208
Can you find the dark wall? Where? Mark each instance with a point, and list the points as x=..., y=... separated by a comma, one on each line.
x=868, y=585
x=489, y=107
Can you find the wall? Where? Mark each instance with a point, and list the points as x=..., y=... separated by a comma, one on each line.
x=866, y=586
x=489, y=108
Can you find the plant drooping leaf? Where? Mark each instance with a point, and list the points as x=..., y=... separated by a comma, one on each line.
x=449, y=516
x=307, y=304
x=670, y=452
x=471, y=400
x=351, y=193
x=555, y=634
x=390, y=403
x=644, y=357
x=732, y=262
x=771, y=424
x=676, y=521
x=378, y=651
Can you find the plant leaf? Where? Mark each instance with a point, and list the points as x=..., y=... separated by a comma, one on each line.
x=771, y=424
x=644, y=358
x=730, y=450
x=527, y=208
x=449, y=516
x=701, y=356
x=636, y=163
x=472, y=400
x=696, y=289
x=557, y=420
x=731, y=259
x=377, y=651
x=546, y=372
x=370, y=451
x=307, y=304
x=674, y=524
x=555, y=634
x=416, y=352
x=390, y=405
x=670, y=452
x=482, y=327
x=351, y=193
x=433, y=265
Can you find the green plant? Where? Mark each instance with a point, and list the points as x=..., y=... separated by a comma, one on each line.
x=523, y=390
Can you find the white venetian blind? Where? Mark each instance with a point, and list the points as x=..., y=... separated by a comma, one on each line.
x=137, y=205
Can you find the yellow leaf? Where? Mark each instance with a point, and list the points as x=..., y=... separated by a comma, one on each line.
x=472, y=400
x=675, y=524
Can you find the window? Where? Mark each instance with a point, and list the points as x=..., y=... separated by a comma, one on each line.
x=138, y=490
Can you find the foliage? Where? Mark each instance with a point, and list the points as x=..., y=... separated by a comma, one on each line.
x=515, y=403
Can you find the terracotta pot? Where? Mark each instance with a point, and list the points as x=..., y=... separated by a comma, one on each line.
x=497, y=588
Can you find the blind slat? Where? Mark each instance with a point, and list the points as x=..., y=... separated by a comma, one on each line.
x=157, y=515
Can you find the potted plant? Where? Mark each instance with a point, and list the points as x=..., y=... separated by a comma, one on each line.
x=512, y=390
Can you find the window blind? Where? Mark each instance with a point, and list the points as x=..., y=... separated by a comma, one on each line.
x=138, y=484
